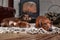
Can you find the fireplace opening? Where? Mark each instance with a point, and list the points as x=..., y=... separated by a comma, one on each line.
x=29, y=7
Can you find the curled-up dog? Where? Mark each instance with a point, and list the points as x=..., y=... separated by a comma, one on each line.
x=14, y=22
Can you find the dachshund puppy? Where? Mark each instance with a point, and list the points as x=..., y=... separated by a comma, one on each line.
x=14, y=22
x=43, y=22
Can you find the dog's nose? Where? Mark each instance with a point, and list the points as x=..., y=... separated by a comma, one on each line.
x=50, y=29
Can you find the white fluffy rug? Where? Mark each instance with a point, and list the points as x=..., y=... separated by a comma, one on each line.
x=31, y=30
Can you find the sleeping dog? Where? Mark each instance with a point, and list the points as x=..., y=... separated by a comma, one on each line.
x=14, y=22
x=43, y=22
x=45, y=25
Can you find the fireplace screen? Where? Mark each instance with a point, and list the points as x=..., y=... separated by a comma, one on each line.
x=29, y=7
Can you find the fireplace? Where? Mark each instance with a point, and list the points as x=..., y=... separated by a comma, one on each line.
x=30, y=7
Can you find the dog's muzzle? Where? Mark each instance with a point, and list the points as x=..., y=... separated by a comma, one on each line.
x=50, y=29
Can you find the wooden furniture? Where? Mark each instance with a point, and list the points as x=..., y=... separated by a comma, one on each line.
x=6, y=12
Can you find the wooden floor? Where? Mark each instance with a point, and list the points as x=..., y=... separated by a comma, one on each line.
x=23, y=36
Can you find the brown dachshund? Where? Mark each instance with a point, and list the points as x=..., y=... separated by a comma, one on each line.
x=14, y=22
x=43, y=22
